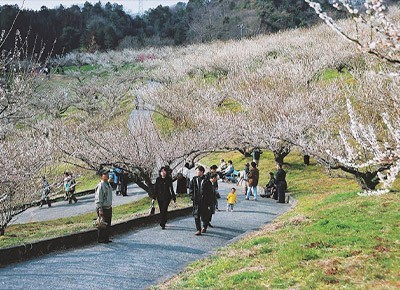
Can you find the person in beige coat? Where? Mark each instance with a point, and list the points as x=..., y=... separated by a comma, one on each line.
x=103, y=201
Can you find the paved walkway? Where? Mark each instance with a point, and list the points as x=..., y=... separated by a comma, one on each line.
x=85, y=204
x=142, y=257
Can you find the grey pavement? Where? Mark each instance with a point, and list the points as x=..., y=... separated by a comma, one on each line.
x=143, y=257
x=85, y=204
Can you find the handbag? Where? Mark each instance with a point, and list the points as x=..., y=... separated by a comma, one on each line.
x=100, y=223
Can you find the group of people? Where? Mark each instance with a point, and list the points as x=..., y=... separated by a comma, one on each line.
x=203, y=190
x=69, y=184
x=119, y=181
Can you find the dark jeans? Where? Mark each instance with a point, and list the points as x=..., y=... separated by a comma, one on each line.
x=163, y=205
x=204, y=216
x=104, y=234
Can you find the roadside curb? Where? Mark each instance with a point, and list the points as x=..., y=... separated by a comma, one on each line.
x=28, y=251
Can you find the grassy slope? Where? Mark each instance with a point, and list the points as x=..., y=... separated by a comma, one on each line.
x=332, y=238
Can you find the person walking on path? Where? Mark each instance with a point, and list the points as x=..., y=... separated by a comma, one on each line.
x=244, y=177
x=164, y=192
x=124, y=183
x=45, y=192
x=69, y=186
x=214, y=181
x=253, y=181
x=103, y=201
x=281, y=184
x=231, y=199
x=201, y=193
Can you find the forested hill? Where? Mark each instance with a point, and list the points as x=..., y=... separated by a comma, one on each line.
x=107, y=26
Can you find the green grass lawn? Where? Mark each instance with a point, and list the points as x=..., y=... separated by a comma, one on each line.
x=332, y=239
x=27, y=233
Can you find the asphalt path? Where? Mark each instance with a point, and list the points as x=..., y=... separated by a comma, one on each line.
x=84, y=205
x=143, y=257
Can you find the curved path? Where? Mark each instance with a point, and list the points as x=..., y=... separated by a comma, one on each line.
x=86, y=203
x=142, y=257
x=62, y=209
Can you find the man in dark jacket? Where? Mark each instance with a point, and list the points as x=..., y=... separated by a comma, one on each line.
x=164, y=192
x=201, y=193
x=280, y=183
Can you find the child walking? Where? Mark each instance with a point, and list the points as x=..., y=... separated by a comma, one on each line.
x=231, y=199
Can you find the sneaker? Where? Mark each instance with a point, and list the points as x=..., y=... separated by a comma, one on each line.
x=247, y=198
x=203, y=230
x=198, y=233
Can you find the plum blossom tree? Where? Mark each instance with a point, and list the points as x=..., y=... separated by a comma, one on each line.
x=370, y=150
x=23, y=149
x=22, y=164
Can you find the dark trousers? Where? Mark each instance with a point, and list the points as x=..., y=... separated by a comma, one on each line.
x=104, y=234
x=71, y=196
x=163, y=205
x=124, y=188
x=281, y=192
x=44, y=201
x=203, y=216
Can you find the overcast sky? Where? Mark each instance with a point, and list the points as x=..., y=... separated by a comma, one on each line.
x=131, y=6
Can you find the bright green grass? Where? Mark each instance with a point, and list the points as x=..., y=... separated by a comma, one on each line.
x=332, y=239
x=230, y=106
x=164, y=125
x=333, y=74
x=31, y=232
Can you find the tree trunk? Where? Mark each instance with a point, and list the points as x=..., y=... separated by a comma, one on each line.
x=306, y=159
x=2, y=231
x=368, y=180
x=279, y=155
x=244, y=152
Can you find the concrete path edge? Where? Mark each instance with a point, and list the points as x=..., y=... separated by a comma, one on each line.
x=28, y=251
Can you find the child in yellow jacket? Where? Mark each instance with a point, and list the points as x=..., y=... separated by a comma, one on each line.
x=231, y=199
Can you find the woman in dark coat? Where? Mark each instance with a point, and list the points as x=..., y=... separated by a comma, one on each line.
x=281, y=184
x=164, y=192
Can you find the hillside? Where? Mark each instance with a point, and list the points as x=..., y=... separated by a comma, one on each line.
x=105, y=26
